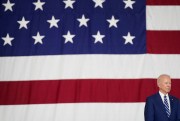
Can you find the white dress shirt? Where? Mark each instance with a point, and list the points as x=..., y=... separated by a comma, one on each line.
x=162, y=97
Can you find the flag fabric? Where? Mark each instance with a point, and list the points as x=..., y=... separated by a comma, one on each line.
x=85, y=60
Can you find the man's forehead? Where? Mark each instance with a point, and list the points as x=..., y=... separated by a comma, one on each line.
x=163, y=78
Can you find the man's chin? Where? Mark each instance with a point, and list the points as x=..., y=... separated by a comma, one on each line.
x=168, y=91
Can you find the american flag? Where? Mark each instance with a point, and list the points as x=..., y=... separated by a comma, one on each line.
x=85, y=60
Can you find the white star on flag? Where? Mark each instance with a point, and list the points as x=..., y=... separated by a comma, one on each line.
x=83, y=21
x=68, y=37
x=98, y=3
x=8, y=6
x=53, y=22
x=128, y=38
x=38, y=38
x=7, y=39
x=112, y=22
x=129, y=4
x=69, y=3
x=98, y=37
x=39, y=5
x=23, y=23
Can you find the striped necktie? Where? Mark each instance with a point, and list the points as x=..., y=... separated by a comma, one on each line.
x=166, y=105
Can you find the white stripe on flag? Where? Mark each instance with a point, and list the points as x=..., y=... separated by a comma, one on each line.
x=74, y=112
x=88, y=67
x=163, y=17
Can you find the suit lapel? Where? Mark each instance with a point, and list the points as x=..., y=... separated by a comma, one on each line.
x=160, y=102
x=171, y=104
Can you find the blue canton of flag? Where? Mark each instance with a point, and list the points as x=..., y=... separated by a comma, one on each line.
x=42, y=27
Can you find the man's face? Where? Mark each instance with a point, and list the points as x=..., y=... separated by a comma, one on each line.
x=165, y=85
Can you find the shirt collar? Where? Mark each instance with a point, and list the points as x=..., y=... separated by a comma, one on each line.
x=162, y=95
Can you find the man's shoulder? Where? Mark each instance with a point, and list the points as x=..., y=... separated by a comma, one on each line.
x=173, y=98
x=153, y=96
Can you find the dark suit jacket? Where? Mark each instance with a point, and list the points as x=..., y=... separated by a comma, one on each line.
x=155, y=110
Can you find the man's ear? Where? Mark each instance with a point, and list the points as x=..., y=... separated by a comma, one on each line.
x=158, y=84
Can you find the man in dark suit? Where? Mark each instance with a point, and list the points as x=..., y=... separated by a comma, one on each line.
x=162, y=106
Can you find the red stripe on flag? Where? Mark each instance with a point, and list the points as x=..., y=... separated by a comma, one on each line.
x=74, y=91
x=163, y=2
x=163, y=42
